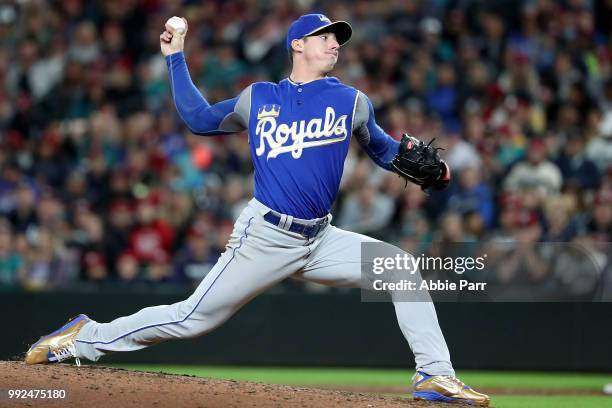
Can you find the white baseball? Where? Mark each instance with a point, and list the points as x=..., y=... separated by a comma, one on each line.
x=178, y=24
x=607, y=389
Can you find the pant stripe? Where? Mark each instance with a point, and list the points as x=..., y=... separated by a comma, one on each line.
x=245, y=235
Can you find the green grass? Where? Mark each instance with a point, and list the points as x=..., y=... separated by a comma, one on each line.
x=377, y=377
x=551, y=401
x=364, y=376
x=536, y=379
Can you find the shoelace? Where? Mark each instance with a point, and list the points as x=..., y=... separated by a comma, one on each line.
x=450, y=378
x=66, y=352
x=455, y=380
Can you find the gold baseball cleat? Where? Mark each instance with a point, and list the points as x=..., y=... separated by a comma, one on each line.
x=445, y=388
x=59, y=345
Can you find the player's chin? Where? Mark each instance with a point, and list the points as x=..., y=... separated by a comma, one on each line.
x=329, y=66
x=329, y=60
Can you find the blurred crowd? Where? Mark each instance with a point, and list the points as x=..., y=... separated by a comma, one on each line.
x=101, y=182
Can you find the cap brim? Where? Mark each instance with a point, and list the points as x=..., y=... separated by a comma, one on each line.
x=342, y=29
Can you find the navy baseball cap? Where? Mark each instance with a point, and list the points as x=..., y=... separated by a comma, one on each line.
x=311, y=24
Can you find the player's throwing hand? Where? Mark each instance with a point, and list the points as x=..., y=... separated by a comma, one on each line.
x=172, y=40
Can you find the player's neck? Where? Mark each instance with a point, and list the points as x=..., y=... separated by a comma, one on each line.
x=301, y=74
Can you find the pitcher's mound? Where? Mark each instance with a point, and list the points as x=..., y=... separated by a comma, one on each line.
x=96, y=386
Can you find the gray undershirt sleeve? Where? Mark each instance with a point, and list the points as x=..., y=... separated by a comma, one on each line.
x=381, y=147
x=360, y=120
x=238, y=120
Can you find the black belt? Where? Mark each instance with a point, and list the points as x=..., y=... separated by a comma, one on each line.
x=308, y=231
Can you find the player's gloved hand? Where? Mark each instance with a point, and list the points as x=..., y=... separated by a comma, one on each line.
x=170, y=41
x=420, y=163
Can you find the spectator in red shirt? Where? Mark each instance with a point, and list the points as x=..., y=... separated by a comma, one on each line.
x=151, y=234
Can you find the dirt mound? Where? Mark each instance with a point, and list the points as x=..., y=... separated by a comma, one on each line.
x=96, y=386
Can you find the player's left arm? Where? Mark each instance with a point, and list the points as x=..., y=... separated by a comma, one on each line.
x=381, y=147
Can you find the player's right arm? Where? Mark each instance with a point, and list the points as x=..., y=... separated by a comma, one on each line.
x=202, y=118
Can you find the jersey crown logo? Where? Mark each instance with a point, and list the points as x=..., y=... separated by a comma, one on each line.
x=318, y=131
x=268, y=111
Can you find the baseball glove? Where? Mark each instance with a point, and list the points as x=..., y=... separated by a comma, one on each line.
x=420, y=163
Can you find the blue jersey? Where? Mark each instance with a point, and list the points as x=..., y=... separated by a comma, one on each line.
x=299, y=134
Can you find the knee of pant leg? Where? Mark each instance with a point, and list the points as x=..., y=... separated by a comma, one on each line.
x=200, y=320
x=404, y=280
x=410, y=265
x=199, y=324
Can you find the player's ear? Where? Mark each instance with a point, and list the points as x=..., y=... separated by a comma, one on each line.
x=298, y=45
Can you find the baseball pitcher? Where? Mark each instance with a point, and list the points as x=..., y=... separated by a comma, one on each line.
x=299, y=132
